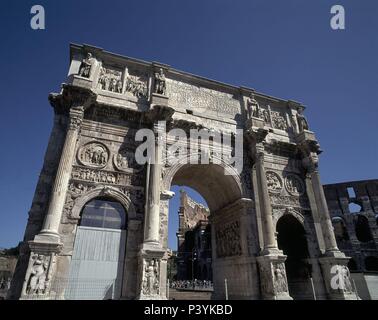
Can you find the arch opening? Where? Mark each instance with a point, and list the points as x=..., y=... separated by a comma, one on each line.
x=362, y=229
x=291, y=239
x=98, y=257
x=196, y=244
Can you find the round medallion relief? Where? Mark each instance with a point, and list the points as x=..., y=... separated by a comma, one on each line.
x=274, y=182
x=294, y=185
x=93, y=154
x=124, y=160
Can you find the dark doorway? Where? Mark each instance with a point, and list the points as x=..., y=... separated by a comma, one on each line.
x=292, y=241
x=362, y=229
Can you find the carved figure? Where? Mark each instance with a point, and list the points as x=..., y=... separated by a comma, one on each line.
x=137, y=87
x=86, y=66
x=37, y=281
x=280, y=283
x=160, y=84
x=253, y=107
x=302, y=122
x=273, y=181
x=110, y=80
x=150, y=284
x=346, y=279
x=294, y=185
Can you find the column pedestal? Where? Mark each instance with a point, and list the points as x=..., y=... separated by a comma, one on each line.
x=337, y=279
x=150, y=258
x=273, y=279
x=42, y=263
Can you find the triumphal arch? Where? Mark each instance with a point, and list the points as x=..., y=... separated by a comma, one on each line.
x=98, y=224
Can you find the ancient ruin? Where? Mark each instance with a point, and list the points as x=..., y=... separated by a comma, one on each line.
x=97, y=227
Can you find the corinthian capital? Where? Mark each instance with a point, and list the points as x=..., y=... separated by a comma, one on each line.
x=76, y=118
x=311, y=162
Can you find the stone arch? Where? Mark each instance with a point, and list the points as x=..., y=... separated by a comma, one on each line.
x=362, y=228
x=290, y=211
x=340, y=229
x=179, y=174
x=224, y=195
x=292, y=240
x=103, y=191
x=133, y=228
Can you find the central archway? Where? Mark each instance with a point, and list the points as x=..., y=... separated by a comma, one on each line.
x=227, y=204
x=210, y=180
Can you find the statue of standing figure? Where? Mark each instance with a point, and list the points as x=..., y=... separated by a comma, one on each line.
x=302, y=122
x=253, y=107
x=86, y=65
x=280, y=279
x=160, y=82
x=151, y=279
x=37, y=282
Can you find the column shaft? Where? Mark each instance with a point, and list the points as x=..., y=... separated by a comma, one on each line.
x=152, y=221
x=266, y=209
x=325, y=220
x=58, y=195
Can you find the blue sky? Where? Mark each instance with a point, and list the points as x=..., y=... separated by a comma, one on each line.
x=283, y=48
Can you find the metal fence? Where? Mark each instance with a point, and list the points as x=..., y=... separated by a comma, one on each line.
x=195, y=285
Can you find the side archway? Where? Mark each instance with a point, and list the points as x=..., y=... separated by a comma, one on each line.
x=291, y=239
x=104, y=216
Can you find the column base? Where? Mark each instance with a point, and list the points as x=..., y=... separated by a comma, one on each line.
x=150, y=279
x=47, y=236
x=273, y=281
x=336, y=275
x=41, y=268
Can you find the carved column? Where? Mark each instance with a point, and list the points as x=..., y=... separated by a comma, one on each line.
x=152, y=273
x=273, y=280
x=320, y=200
x=333, y=262
x=265, y=206
x=152, y=221
x=46, y=245
x=58, y=195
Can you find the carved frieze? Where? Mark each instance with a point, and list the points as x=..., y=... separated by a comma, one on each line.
x=93, y=154
x=294, y=185
x=264, y=114
x=137, y=86
x=289, y=201
x=278, y=121
x=76, y=189
x=228, y=240
x=274, y=182
x=110, y=80
x=185, y=95
x=106, y=177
